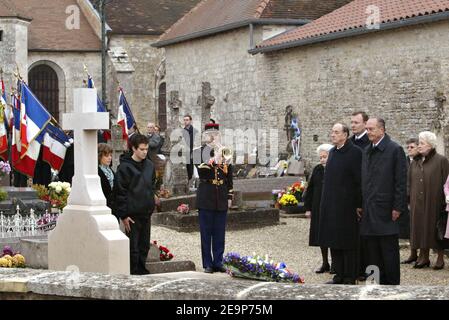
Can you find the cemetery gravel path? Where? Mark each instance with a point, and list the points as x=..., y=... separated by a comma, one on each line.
x=286, y=242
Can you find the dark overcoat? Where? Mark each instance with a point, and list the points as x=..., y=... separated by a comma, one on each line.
x=338, y=227
x=427, y=200
x=312, y=199
x=384, y=187
x=362, y=143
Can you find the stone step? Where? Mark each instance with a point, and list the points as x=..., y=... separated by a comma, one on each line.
x=250, y=218
x=264, y=184
x=21, y=193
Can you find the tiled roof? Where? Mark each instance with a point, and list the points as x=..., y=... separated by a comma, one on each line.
x=9, y=10
x=145, y=16
x=353, y=17
x=48, y=30
x=213, y=15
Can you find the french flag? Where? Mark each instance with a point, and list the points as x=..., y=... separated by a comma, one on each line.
x=125, y=118
x=30, y=120
x=100, y=105
x=3, y=124
x=55, y=144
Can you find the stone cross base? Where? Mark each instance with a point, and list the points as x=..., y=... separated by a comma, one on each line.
x=88, y=238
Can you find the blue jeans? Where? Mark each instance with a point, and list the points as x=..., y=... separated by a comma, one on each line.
x=212, y=230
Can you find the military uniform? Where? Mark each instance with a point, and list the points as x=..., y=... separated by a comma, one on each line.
x=214, y=191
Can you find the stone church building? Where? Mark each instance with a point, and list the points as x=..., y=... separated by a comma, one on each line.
x=244, y=62
x=51, y=41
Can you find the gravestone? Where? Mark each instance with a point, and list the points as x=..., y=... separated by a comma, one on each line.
x=87, y=235
x=295, y=167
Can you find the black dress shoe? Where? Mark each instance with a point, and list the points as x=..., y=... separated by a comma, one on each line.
x=220, y=269
x=422, y=265
x=324, y=268
x=208, y=270
x=332, y=271
x=409, y=260
x=438, y=267
x=333, y=282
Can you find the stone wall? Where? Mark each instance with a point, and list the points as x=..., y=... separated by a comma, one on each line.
x=70, y=70
x=145, y=60
x=400, y=75
x=13, y=49
x=214, y=76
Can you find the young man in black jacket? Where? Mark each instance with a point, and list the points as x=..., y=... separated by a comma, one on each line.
x=135, y=200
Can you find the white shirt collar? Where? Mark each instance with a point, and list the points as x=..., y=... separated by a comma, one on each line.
x=375, y=145
x=357, y=137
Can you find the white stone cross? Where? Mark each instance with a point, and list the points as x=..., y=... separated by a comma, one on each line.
x=87, y=235
x=85, y=121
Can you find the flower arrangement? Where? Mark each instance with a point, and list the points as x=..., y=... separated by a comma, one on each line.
x=164, y=193
x=8, y=259
x=165, y=254
x=255, y=267
x=183, y=209
x=47, y=221
x=5, y=168
x=290, y=196
x=57, y=193
x=288, y=200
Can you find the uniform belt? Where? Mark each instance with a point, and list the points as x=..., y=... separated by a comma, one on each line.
x=212, y=181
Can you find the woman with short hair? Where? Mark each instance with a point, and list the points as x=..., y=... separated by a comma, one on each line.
x=427, y=176
x=106, y=173
x=312, y=199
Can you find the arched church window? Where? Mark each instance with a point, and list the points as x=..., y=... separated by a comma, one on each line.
x=43, y=81
x=162, y=109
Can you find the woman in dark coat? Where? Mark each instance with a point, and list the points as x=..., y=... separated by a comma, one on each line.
x=427, y=177
x=106, y=174
x=312, y=201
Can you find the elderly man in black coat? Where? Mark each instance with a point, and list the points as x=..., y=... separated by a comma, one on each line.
x=384, y=185
x=341, y=198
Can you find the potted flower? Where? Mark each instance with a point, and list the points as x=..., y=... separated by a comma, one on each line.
x=164, y=253
x=9, y=259
x=289, y=203
x=5, y=169
x=183, y=208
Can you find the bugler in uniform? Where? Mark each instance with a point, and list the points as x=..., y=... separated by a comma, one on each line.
x=214, y=197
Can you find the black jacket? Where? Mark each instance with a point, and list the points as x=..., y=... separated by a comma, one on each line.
x=312, y=200
x=362, y=143
x=384, y=187
x=339, y=227
x=216, y=186
x=134, y=188
x=107, y=190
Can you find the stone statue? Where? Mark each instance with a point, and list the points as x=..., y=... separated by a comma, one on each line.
x=174, y=101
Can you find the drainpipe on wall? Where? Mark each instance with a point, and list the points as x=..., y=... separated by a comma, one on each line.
x=251, y=36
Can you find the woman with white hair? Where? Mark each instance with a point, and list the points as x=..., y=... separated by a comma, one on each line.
x=312, y=201
x=427, y=176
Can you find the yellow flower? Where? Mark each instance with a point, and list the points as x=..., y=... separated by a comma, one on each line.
x=18, y=261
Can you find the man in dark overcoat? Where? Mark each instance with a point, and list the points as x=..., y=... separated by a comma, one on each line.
x=360, y=139
x=339, y=227
x=384, y=185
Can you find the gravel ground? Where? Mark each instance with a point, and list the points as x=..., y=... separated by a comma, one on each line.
x=286, y=242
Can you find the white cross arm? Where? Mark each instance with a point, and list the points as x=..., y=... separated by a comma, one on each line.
x=85, y=121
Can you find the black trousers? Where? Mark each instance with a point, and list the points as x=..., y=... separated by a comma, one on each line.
x=383, y=252
x=139, y=244
x=345, y=265
x=362, y=257
x=20, y=180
